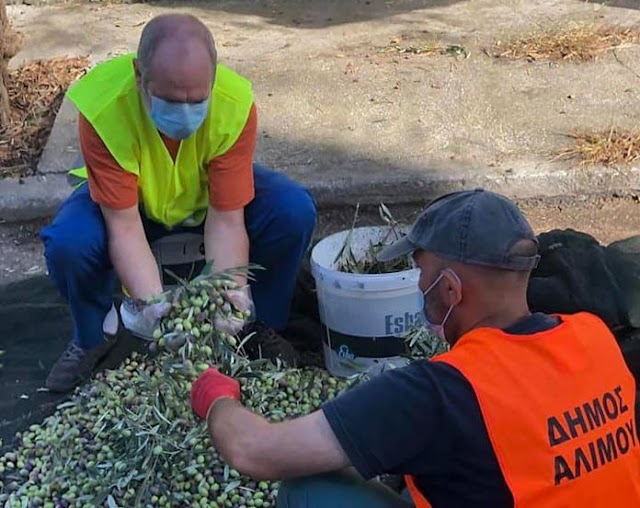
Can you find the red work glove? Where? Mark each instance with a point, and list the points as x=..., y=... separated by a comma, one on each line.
x=210, y=386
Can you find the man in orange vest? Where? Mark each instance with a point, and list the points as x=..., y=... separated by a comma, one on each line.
x=525, y=410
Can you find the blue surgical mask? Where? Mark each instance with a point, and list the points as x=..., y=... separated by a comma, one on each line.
x=178, y=120
x=436, y=329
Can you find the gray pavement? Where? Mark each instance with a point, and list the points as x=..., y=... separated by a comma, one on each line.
x=357, y=124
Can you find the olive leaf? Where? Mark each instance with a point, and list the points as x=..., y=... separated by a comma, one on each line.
x=130, y=434
x=346, y=260
x=232, y=486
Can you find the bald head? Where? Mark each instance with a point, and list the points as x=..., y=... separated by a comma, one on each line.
x=176, y=58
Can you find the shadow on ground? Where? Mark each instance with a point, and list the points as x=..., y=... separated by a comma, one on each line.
x=624, y=4
x=312, y=14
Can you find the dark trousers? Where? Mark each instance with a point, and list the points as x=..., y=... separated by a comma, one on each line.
x=340, y=489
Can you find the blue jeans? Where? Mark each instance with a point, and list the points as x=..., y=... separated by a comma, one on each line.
x=340, y=489
x=280, y=222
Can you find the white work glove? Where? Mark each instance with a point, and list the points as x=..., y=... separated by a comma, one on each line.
x=242, y=300
x=142, y=320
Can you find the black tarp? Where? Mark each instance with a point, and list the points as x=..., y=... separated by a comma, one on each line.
x=35, y=327
x=578, y=273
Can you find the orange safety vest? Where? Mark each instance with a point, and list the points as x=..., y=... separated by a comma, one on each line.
x=559, y=407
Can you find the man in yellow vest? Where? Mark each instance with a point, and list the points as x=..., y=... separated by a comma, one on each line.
x=167, y=137
x=526, y=410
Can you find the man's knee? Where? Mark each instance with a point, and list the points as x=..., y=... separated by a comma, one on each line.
x=292, y=492
x=343, y=488
x=284, y=203
x=336, y=488
x=296, y=211
x=71, y=244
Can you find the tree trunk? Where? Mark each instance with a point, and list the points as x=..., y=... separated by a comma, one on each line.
x=10, y=43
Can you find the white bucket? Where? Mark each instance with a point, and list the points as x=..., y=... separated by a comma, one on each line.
x=364, y=316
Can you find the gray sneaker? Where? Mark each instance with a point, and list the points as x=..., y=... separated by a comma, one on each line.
x=76, y=365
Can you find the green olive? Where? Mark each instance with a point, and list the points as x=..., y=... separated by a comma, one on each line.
x=131, y=431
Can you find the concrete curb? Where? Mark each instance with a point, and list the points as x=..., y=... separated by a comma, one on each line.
x=33, y=197
x=40, y=196
x=338, y=180
x=528, y=181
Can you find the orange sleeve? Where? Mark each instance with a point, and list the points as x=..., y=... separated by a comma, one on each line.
x=109, y=184
x=231, y=174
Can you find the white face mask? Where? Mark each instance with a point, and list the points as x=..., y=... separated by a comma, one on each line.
x=436, y=329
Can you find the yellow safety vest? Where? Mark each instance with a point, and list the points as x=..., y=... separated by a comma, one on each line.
x=171, y=193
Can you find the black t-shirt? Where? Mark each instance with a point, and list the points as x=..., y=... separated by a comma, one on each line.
x=425, y=420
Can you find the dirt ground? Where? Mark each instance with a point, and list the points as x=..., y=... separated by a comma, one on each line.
x=333, y=105
x=607, y=219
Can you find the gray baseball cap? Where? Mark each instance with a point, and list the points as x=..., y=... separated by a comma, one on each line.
x=473, y=227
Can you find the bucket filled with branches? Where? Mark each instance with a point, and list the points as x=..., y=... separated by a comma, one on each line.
x=367, y=307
